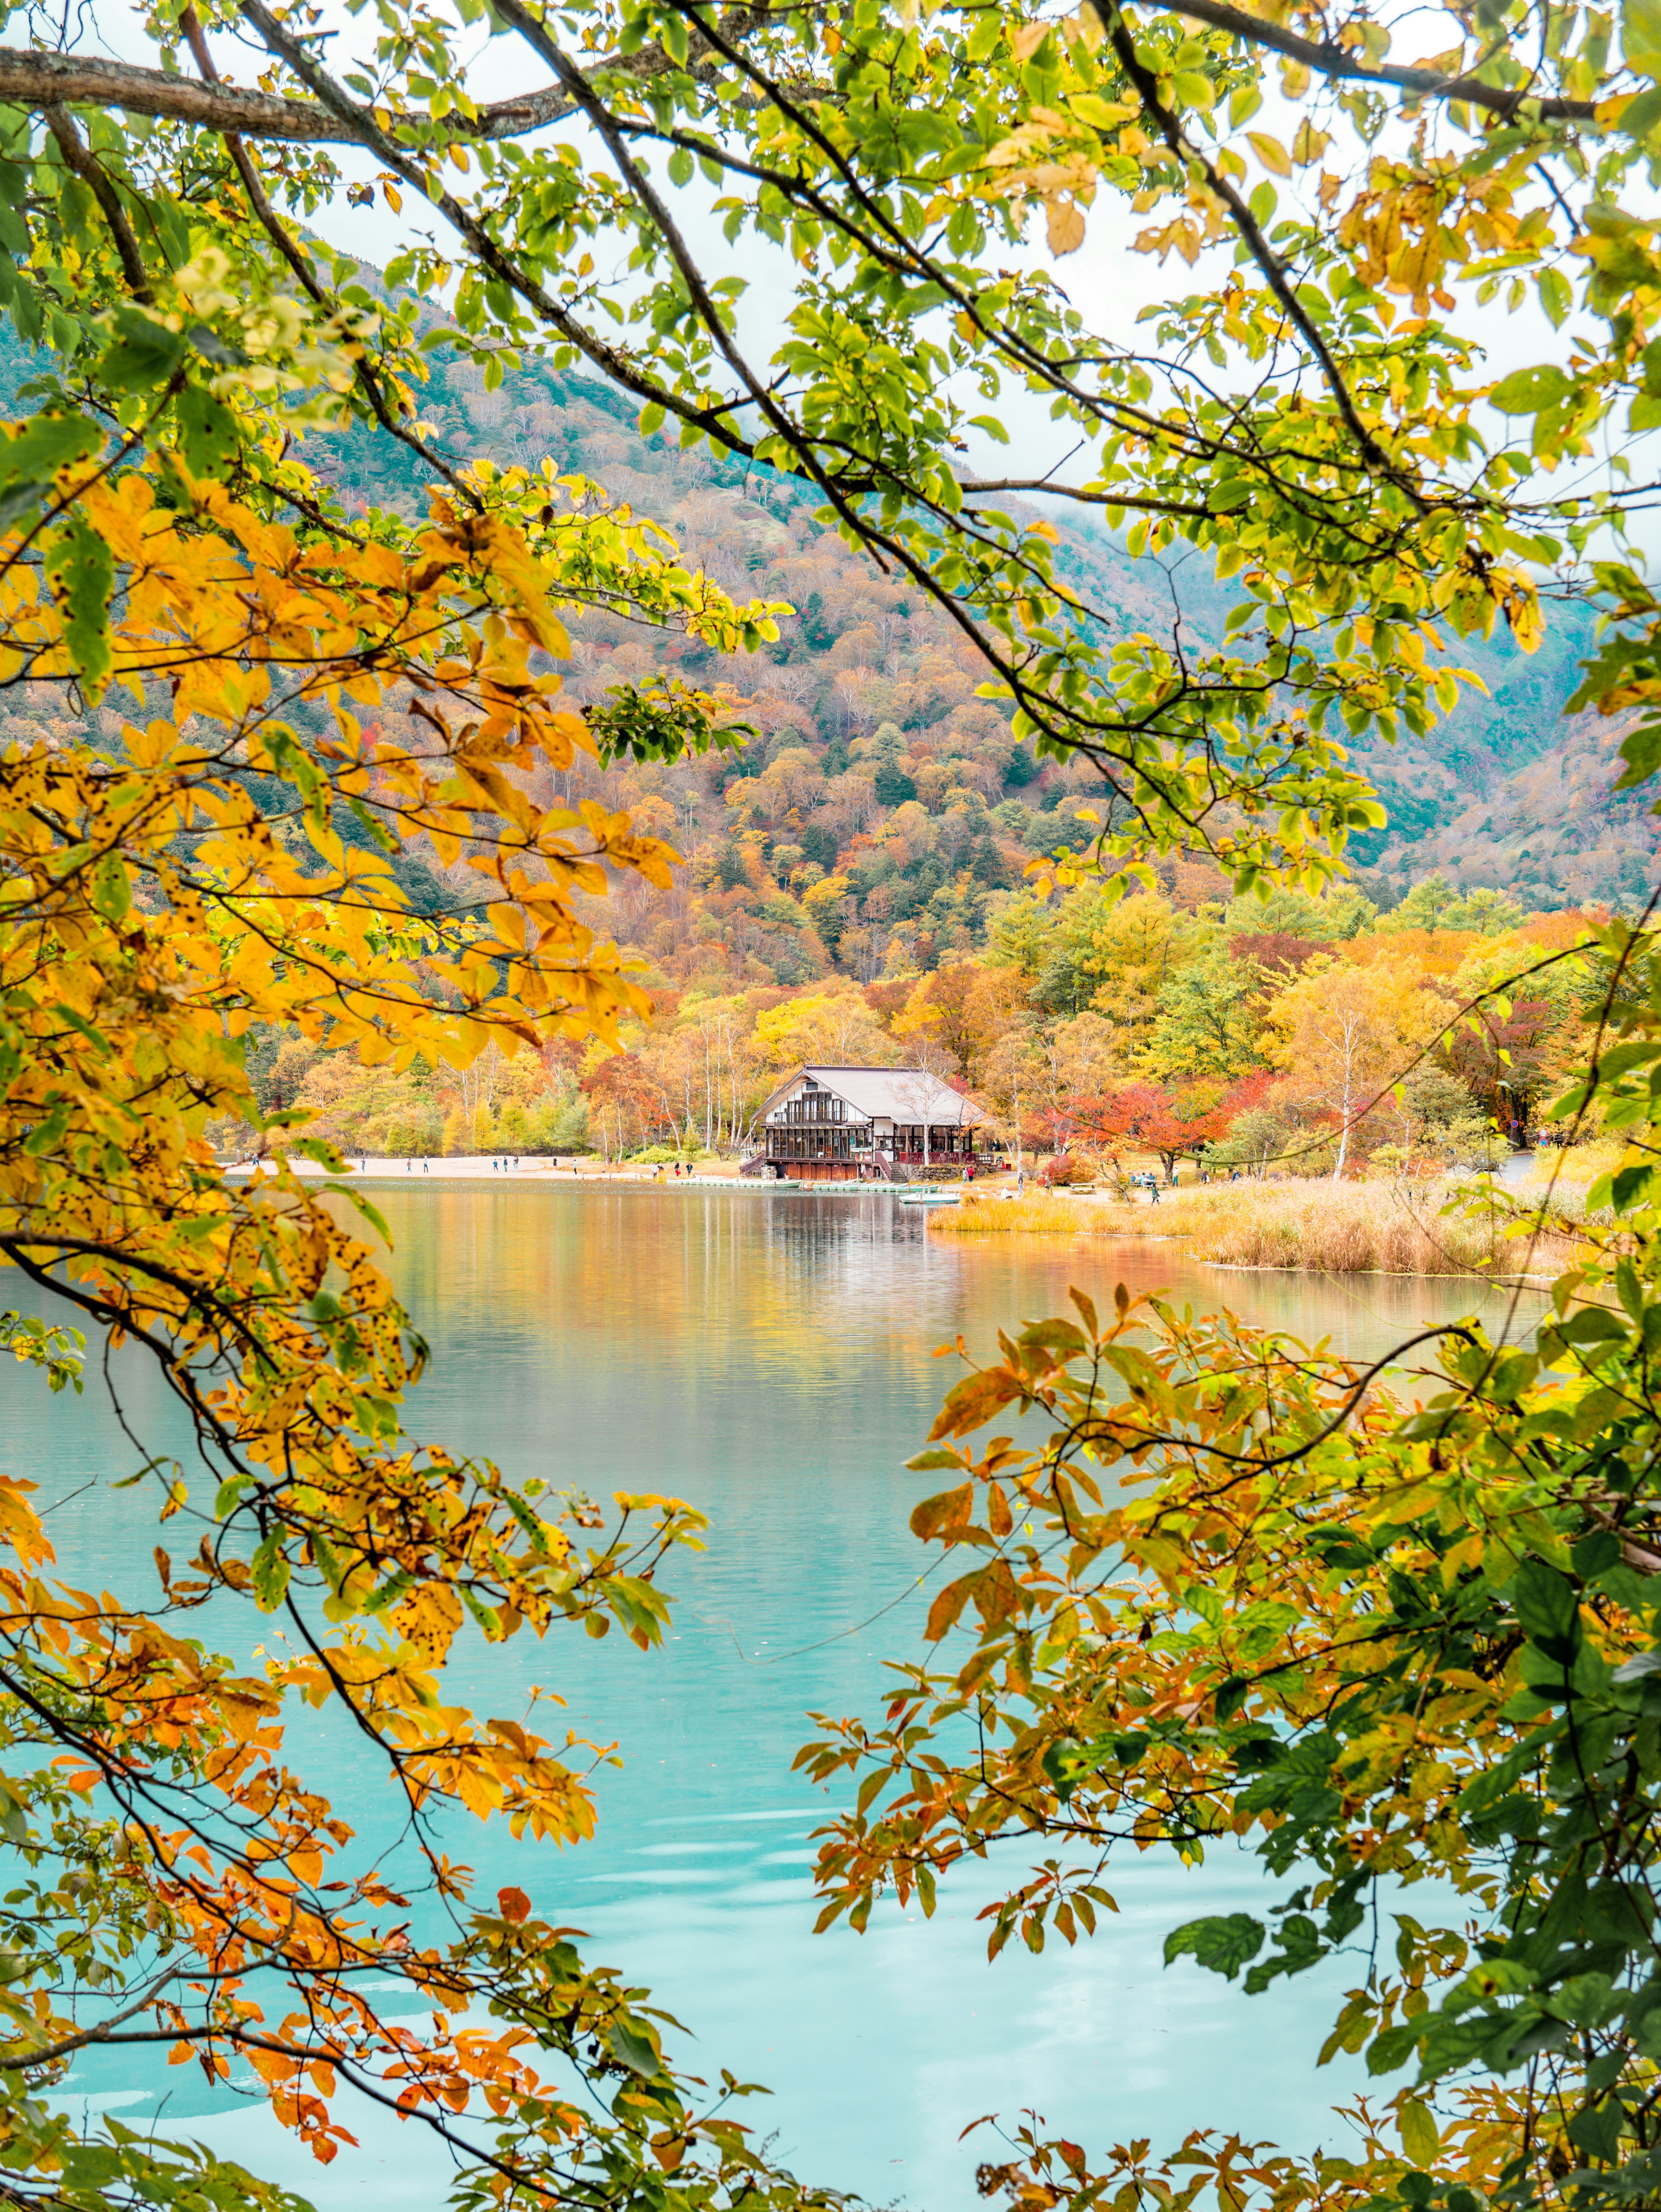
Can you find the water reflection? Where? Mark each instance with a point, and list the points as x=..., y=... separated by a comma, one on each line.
x=769, y=1357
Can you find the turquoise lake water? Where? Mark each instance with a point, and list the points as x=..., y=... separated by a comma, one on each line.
x=769, y=1357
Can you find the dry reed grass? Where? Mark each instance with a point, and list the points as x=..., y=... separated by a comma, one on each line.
x=1575, y=1167
x=1336, y=1228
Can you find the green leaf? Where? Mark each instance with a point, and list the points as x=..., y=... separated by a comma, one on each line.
x=1640, y=37
x=1231, y=1696
x=1548, y=1606
x=80, y=570
x=1530, y=391
x=1591, y=1325
x=270, y=1570
x=1629, y=1185
x=1420, y=2137
x=1640, y=749
x=13, y=1824
x=47, y=1136
x=633, y=2051
x=1640, y=117
x=208, y=438
x=21, y=500
x=111, y=888
x=390, y=1591
x=1393, y=2048
x=44, y=445
x=1221, y=1943
x=144, y=354
x=1556, y=297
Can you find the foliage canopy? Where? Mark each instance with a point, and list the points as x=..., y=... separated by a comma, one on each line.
x=1449, y=1615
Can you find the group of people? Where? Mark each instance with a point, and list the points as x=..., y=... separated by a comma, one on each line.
x=497, y=1166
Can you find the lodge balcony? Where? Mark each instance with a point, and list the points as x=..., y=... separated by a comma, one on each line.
x=840, y=1152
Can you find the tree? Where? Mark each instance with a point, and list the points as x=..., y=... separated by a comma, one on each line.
x=1209, y=1024
x=1013, y=1084
x=1329, y=466
x=834, y=1027
x=206, y=856
x=1435, y=1112
x=1254, y=1138
x=1301, y=415
x=966, y=1007
x=1344, y=1033
x=1434, y=904
x=1404, y=1642
x=1112, y=958
x=1172, y=1123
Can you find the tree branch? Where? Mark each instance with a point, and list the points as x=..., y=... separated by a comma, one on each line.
x=33, y=79
x=77, y=156
x=266, y=214
x=1115, y=23
x=44, y=80
x=411, y=166
x=1330, y=60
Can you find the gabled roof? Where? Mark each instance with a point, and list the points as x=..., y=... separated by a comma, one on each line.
x=890, y=1094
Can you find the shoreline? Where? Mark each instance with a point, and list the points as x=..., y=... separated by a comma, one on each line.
x=361, y=1168
x=380, y=1172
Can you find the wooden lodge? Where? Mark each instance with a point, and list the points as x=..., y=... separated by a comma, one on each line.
x=865, y=1125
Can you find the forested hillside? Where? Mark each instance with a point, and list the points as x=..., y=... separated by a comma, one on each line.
x=882, y=804
x=881, y=809
x=854, y=883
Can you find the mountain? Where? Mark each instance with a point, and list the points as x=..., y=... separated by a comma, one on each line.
x=1512, y=792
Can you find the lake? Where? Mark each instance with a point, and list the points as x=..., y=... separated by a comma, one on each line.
x=769, y=1357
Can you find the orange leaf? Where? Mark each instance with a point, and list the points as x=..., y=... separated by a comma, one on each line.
x=946, y=1513
x=973, y=1401
x=947, y=1606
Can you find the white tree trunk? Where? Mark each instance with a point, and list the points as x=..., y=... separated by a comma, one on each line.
x=1349, y=1044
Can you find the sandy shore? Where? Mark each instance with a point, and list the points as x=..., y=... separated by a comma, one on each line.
x=710, y=1174
x=503, y=1169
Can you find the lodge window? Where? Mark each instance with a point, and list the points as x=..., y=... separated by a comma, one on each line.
x=816, y=1106
x=824, y=1144
x=945, y=1142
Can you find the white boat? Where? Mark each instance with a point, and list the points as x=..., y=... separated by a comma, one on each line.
x=929, y=1198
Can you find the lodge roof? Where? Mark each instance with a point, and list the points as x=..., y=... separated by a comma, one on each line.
x=907, y=1095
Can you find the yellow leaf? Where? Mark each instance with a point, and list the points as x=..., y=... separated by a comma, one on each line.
x=1065, y=229
x=1270, y=152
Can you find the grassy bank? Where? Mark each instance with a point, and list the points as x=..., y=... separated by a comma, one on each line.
x=1336, y=1229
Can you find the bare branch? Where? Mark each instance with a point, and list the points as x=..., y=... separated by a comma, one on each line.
x=266, y=214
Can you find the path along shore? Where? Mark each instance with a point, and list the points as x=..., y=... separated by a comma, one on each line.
x=717, y=1175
